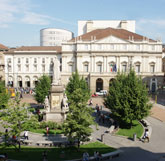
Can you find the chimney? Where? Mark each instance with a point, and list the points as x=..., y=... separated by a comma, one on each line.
x=123, y=24
x=89, y=26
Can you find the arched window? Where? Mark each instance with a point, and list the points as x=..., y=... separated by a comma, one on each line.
x=70, y=66
x=85, y=66
x=137, y=67
x=152, y=67
x=99, y=66
x=124, y=66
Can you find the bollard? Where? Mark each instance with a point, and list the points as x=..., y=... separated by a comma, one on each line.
x=134, y=137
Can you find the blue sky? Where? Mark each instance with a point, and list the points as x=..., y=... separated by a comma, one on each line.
x=21, y=20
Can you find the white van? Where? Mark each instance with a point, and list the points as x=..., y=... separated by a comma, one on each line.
x=102, y=93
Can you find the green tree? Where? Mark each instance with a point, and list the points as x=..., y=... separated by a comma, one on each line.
x=4, y=96
x=15, y=117
x=42, y=88
x=75, y=82
x=128, y=98
x=79, y=119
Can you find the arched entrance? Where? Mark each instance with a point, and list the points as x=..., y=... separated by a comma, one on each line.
x=153, y=85
x=110, y=81
x=27, y=81
x=19, y=81
x=35, y=81
x=99, y=84
x=10, y=81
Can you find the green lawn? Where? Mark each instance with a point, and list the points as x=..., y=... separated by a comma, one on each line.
x=137, y=128
x=43, y=131
x=35, y=154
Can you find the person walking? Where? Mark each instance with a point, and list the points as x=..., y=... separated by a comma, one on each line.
x=47, y=130
x=26, y=135
x=85, y=156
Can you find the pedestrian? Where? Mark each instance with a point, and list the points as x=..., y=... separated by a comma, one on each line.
x=85, y=156
x=103, y=118
x=26, y=135
x=47, y=130
x=45, y=156
x=96, y=156
x=146, y=136
x=90, y=102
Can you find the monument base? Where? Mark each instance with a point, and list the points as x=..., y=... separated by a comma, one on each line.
x=55, y=117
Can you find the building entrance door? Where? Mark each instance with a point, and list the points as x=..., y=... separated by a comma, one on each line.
x=99, y=84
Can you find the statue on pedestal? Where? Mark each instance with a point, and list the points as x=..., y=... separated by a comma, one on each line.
x=47, y=104
x=65, y=107
x=56, y=72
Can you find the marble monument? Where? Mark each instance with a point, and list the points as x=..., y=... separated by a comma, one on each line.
x=57, y=106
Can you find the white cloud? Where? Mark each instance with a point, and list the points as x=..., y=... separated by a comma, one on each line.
x=22, y=11
x=34, y=18
x=152, y=28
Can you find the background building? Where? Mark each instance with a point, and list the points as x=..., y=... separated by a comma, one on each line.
x=24, y=65
x=98, y=56
x=89, y=25
x=54, y=37
x=2, y=62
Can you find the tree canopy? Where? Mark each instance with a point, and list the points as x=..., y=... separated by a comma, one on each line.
x=77, y=125
x=4, y=96
x=128, y=98
x=42, y=88
x=75, y=82
x=15, y=117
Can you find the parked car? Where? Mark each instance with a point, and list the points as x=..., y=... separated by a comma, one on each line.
x=102, y=93
x=94, y=95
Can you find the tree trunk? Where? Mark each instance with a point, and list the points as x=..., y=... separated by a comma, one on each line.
x=78, y=144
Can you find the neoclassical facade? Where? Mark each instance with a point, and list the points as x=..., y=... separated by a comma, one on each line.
x=24, y=65
x=97, y=55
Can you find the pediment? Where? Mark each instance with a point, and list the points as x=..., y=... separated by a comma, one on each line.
x=112, y=39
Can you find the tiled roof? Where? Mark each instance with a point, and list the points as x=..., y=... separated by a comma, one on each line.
x=3, y=47
x=99, y=34
x=39, y=48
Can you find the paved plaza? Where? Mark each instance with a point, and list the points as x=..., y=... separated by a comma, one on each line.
x=132, y=150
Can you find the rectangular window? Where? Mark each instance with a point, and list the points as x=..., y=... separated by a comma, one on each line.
x=51, y=67
x=27, y=68
x=19, y=68
x=70, y=68
x=27, y=60
x=124, y=67
x=9, y=68
x=99, y=68
x=9, y=60
x=51, y=60
x=86, y=68
x=35, y=68
x=152, y=68
x=19, y=60
x=35, y=60
x=43, y=60
x=137, y=68
x=43, y=68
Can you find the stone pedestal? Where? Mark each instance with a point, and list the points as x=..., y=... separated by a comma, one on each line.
x=56, y=112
